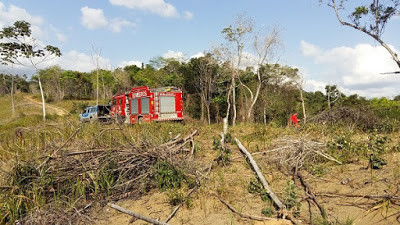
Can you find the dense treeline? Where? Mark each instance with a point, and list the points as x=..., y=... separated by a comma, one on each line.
x=205, y=83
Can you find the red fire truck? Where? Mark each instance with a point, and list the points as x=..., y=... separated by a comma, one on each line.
x=143, y=104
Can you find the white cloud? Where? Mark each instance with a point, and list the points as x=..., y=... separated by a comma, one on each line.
x=93, y=18
x=61, y=37
x=14, y=13
x=117, y=24
x=129, y=63
x=314, y=85
x=188, y=15
x=198, y=55
x=309, y=49
x=159, y=7
x=356, y=69
x=74, y=60
x=180, y=56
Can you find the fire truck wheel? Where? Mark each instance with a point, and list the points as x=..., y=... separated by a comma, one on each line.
x=140, y=120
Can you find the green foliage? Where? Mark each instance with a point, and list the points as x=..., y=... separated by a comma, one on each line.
x=216, y=143
x=167, y=176
x=345, y=149
x=359, y=12
x=224, y=154
x=268, y=211
x=318, y=170
x=385, y=108
x=377, y=146
x=291, y=199
x=14, y=206
x=255, y=187
x=20, y=83
x=342, y=147
x=106, y=175
x=321, y=221
x=17, y=45
x=177, y=197
x=78, y=107
x=229, y=138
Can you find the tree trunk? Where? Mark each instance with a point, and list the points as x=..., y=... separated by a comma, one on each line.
x=12, y=95
x=304, y=107
x=97, y=89
x=229, y=104
x=137, y=215
x=254, y=100
x=43, y=103
x=233, y=101
x=329, y=97
x=208, y=113
x=265, y=116
x=202, y=103
x=260, y=176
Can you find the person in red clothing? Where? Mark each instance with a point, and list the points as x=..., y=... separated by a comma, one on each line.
x=294, y=121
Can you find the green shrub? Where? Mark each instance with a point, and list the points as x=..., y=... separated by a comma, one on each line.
x=268, y=211
x=342, y=147
x=78, y=107
x=290, y=199
x=255, y=187
x=176, y=197
x=167, y=176
x=377, y=146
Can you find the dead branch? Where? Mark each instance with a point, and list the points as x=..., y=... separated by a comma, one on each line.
x=311, y=195
x=333, y=195
x=58, y=149
x=264, y=182
x=327, y=157
x=258, y=218
x=87, y=152
x=180, y=205
x=136, y=215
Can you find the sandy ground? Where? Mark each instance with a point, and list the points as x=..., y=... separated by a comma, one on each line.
x=49, y=108
x=233, y=181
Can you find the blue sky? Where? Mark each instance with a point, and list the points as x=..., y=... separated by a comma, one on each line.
x=134, y=31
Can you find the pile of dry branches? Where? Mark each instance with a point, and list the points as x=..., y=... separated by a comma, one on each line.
x=358, y=117
x=102, y=174
x=293, y=152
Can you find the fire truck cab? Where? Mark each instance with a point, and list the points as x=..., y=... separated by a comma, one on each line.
x=143, y=104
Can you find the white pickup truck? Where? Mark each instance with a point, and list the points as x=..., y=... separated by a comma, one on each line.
x=99, y=113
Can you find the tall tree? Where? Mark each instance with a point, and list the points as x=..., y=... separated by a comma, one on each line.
x=236, y=34
x=96, y=53
x=51, y=81
x=264, y=44
x=333, y=95
x=370, y=18
x=205, y=76
x=17, y=45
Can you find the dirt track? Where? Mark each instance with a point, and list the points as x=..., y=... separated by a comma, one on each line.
x=49, y=108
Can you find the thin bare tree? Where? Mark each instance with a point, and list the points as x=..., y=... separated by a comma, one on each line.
x=96, y=54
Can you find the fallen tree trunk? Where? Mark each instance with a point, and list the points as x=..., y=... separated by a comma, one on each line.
x=136, y=215
x=261, y=177
x=284, y=213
